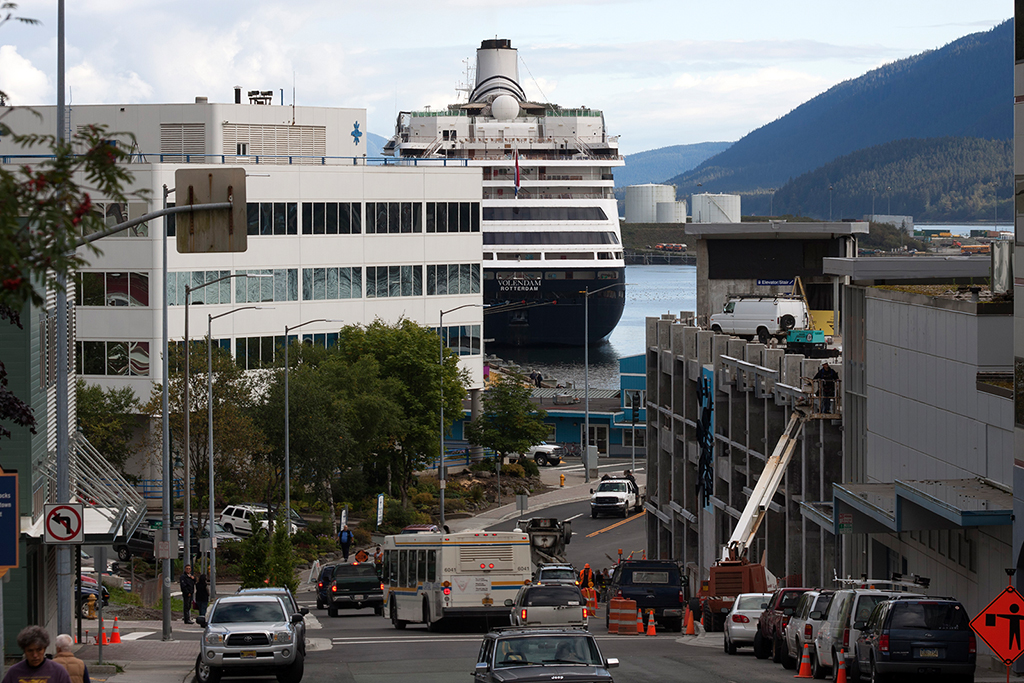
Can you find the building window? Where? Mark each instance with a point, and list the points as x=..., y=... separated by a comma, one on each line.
x=112, y=358
x=332, y=218
x=463, y=340
x=264, y=285
x=393, y=217
x=112, y=289
x=219, y=293
x=272, y=218
x=453, y=216
x=455, y=278
x=320, y=284
x=393, y=281
x=641, y=437
x=545, y=213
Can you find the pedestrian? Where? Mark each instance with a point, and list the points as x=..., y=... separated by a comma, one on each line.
x=826, y=388
x=378, y=560
x=345, y=541
x=78, y=672
x=35, y=668
x=586, y=577
x=202, y=594
x=187, y=583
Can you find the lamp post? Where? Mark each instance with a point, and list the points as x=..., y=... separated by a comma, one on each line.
x=441, y=470
x=830, y=203
x=187, y=531
x=287, y=421
x=209, y=432
x=586, y=374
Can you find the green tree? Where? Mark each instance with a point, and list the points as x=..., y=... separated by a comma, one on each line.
x=509, y=422
x=406, y=355
x=108, y=420
x=44, y=209
x=281, y=568
x=254, y=569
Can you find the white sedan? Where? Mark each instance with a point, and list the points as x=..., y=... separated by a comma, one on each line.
x=741, y=623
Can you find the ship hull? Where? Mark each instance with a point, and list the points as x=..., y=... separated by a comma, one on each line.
x=526, y=310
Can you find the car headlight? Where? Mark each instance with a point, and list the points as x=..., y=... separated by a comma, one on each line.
x=282, y=636
x=214, y=638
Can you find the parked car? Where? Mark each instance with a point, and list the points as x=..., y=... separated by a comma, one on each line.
x=769, y=639
x=741, y=622
x=323, y=585
x=762, y=317
x=556, y=573
x=142, y=543
x=291, y=606
x=541, y=654
x=921, y=635
x=616, y=496
x=90, y=587
x=250, y=634
x=804, y=624
x=838, y=630
x=548, y=605
x=660, y=585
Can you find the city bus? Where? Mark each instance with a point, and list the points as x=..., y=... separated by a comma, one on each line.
x=430, y=577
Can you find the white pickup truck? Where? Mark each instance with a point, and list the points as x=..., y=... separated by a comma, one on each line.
x=545, y=454
x=616, y=496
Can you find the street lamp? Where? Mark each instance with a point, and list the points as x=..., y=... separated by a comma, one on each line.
x=441, y=470
x=830, y=203
x=287, y=440
x=209, y=431
x=188, y=412
x=586, y=373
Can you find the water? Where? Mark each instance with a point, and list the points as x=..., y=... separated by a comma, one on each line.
x=650, y=292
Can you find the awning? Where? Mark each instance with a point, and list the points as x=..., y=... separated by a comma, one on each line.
x=820, y=512
x=914, y=505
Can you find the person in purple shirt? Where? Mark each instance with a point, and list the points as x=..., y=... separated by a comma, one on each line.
x=36, y=668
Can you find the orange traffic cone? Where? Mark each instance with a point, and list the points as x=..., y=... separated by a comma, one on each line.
x=115, y=635
x=805, y=664
x=639, y=622
x=650, y=623
x=103, y=637
x=841, y=671
x=690, y=630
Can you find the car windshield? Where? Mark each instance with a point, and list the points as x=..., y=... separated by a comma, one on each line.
x=557, y=575
x=930, y=616
x=552, y=596
x=539, y=650
x=238, y=612
x=751, y=602
x=612, y=486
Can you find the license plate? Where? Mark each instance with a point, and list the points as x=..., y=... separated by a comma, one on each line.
x=931, y=652
x=248, y=654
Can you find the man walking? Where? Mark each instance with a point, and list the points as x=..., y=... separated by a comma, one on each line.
x=35, y=668
x=187, y=582
x=345, y=541
x=77, y=670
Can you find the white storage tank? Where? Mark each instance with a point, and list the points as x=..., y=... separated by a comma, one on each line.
x=642, y=201
x=671, y=212
x=715, y=208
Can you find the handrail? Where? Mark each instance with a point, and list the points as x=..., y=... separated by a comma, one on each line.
x=257, y=159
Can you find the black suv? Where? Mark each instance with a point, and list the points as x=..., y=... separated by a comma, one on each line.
x=660, y=585
x=918, y=635
x=323, y=586
x=525, y=655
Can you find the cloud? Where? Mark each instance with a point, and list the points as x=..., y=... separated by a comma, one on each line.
x=21, y=80
x=88, y=85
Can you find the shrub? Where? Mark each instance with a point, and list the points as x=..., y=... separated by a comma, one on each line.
x=119, y=596
x=455, y=504
x=424, y=499
x=322, y=528
x=362, y=536
x=530, y=467
x=254, y=566
x=281, y=565
x=304, y=538
x=476, y=493
x=230, y=552
x=482, y=466
x=513, y=470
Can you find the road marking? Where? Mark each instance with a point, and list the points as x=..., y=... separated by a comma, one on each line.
x=617, y=524
x=574, y=517
x=136, y=635
x=398, y=639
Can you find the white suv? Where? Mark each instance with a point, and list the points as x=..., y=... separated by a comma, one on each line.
x=240, y=519
x=761, y=317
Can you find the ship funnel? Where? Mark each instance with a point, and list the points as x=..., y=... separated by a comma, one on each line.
x=497, y=71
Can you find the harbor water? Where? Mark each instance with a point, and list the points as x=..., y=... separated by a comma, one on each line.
x=650, y=292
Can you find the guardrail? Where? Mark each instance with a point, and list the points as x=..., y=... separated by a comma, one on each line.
x=265, y=159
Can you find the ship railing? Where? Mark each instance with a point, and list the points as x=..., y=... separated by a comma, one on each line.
x=266, y=159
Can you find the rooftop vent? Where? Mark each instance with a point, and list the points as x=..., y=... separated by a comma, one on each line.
x=202, y=100
x=261, y=96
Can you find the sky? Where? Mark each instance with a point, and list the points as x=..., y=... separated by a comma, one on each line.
x=664, y=72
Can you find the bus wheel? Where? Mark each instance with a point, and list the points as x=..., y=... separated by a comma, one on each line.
x=395, y=621
x=431, y=625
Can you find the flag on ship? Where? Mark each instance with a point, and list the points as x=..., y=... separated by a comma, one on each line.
x=517, y=173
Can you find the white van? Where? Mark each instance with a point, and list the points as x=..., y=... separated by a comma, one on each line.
x=761, y=317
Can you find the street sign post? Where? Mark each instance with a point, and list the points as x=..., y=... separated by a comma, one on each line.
x=999, y=625
x=64, y=523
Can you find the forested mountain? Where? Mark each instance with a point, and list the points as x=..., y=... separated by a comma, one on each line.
x=933, y=180
x=657, y=165
x=963, y=89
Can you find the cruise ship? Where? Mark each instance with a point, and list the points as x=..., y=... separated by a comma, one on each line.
x=553, y=266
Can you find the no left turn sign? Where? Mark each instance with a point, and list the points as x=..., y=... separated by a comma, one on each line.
x=63, y=523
